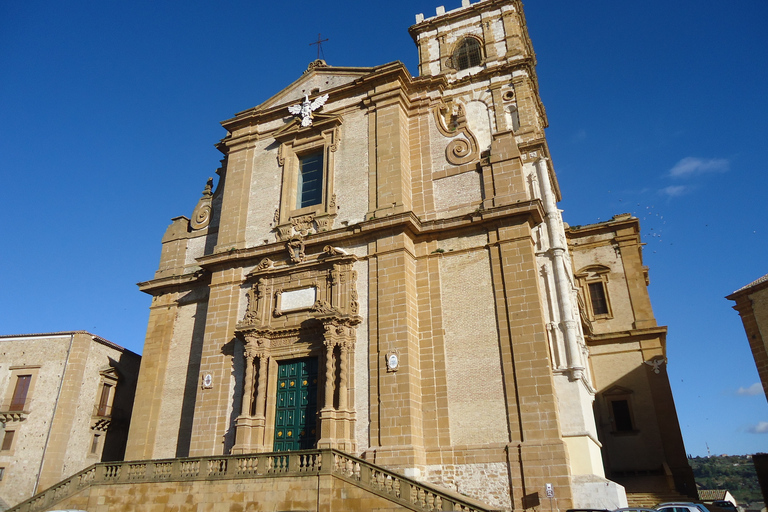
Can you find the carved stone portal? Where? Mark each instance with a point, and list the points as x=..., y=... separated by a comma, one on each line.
x=325, y=328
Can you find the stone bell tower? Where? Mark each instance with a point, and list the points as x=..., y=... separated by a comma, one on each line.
x=488, y=39
x=485, y=54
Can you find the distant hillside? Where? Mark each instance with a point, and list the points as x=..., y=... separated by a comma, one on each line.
x=735, y=473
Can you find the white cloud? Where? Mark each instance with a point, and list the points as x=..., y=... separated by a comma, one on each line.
x=760, y=428
x=754, y=389
x=690, y=166
x=579, y=136
x=674, y=190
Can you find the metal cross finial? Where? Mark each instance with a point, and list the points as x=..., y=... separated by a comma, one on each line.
x=319, y=44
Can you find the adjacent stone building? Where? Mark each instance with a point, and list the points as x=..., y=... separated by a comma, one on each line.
x=752, y=304
x=636, y=418
x=382, y=269
x=66, y=404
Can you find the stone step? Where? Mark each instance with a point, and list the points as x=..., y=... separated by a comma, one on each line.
x=651, y=499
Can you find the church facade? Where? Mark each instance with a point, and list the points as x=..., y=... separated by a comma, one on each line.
x=382, y=269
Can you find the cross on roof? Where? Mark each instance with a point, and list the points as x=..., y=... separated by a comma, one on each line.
x=319, y=44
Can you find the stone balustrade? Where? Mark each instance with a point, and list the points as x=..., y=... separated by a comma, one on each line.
x=408, y=493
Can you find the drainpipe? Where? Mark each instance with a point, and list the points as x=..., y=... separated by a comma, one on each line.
x=563, y=286
x=53, y=416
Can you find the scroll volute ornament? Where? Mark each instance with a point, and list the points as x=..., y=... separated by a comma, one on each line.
x=451, y=122
x=201, y=216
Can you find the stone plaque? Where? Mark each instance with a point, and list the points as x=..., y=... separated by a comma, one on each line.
x=303, y=298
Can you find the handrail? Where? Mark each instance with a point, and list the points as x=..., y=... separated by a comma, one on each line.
x=397, y=488
x=400, y=489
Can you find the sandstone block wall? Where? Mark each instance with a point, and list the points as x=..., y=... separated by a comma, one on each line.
x=54, y=437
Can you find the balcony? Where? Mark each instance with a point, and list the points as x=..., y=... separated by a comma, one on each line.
x=14, y=410
x=101, y=418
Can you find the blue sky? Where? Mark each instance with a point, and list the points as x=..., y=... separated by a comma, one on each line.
x=109, y=112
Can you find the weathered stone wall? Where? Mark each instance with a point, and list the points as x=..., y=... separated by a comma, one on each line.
x=264, y=193
x=174, y=390
x=462, y=190
x=759, y=340
x=359, y=386
x=600, y=251
x=472, y=350
x=489, y=481
x=622, y=365
x=78, y=447
x=351, y=170
x=22, y=462
x=54, y=440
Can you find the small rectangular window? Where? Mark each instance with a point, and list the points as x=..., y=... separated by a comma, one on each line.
x=104, y=400
x=95, y=443
x=622, y=419
x=19, y=399
x=310, y=186
x=597, y=296
x=7, y=440
x=2, y=474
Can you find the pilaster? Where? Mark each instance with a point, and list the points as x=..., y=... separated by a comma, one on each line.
x=389, y=142
x=513, y=34
x=63, y=421
x=532, y=122
x=631, y=257
x=214, y=396
x=152, y=372
x=236, y=194
x=537, y=452
x=488, y=36
x=507, y=181
x=399, y=435
x=436, y=415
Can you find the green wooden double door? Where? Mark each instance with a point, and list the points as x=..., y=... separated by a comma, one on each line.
x=296, y=414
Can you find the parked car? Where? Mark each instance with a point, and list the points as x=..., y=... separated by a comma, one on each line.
x=725, y=505
x=635, y=509
x=681, y=506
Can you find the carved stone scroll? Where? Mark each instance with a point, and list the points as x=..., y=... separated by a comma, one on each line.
x=452, y=122
x=201, y=216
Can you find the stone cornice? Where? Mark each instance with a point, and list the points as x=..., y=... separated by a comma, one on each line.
x=743, y=293
x=406, y=221
x=624, y=336
x=620, y=221
x=165, y=284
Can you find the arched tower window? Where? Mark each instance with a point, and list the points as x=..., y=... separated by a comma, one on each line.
x=467, y=54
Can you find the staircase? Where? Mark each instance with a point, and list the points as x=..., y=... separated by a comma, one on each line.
x=303, y=480
x=651, y=499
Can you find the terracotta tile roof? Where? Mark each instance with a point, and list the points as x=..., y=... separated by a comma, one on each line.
x=712, y=494
x=754, y=283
